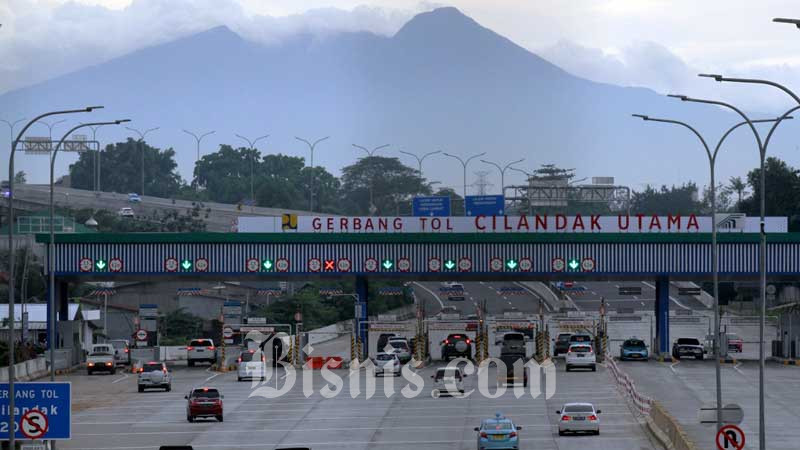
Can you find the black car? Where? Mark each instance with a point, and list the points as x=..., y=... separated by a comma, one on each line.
x=687, y=347
x=515, y=369
x=513, y=344
x=456, y=346
x=562, y=343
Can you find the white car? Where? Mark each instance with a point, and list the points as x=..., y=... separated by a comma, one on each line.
x=448, y=381
x=122, y=351
x=581, y=355
x=252, y=365
x=126, y=212
x=101, y=359
x=577, y=418
x=154, y=375
x=401, y=348
x=387, y=363
x=200, y=350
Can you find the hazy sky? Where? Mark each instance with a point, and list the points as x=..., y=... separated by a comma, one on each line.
x=661, y=44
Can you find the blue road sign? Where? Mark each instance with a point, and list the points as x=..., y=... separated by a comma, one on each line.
x=431, y=206
x=41, y=411
x=485, y=205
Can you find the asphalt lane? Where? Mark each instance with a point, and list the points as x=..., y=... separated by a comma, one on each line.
x=589, y=298
x=110, y=414
x=684, y=386
x=500, y=296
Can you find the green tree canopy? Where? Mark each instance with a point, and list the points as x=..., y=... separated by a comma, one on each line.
x=121, y=169
x=782, y=192
x=392, y=184
x=681, y=199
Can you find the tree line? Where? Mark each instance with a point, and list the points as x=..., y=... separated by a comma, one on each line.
x=230, y=174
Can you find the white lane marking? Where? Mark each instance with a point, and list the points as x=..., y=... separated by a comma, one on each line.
x=432, y=294
x=651, y=286
x=212, y=377
x=124, y=376
x=672, y=367
x=574, y=305
x=736, y=368
x=616, y=286
x=593, y=292
x=481, y=282
x=535, y=295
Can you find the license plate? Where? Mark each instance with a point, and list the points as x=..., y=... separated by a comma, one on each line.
x=497, y=437
x=579, y=418
x=200, y=350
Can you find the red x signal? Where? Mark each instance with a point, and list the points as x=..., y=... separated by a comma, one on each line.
x=329, y=264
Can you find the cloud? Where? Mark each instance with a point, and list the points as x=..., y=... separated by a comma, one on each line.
x=39, y=40
x=652, y=65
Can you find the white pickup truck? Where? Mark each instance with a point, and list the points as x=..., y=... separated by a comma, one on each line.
x=101, y=359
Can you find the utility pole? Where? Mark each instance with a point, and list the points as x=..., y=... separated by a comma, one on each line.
x=311, y=147
x=482, y=182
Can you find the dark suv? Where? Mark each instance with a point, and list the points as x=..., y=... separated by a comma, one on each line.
x=562, y=343
x=456, y=346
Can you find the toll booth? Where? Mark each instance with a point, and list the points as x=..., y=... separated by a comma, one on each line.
x=376, y=329
x=440, y=329
x=499, y=326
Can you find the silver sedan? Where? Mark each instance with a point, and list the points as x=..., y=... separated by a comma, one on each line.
x=578, y=417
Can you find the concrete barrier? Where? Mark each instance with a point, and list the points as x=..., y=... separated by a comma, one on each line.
x=26, y=370
x=667, y=429
x=172, y=353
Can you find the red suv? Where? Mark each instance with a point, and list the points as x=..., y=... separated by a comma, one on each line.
x=204, y=402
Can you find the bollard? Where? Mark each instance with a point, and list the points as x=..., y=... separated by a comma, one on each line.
x=353, y=347
x=298, y=350
x=360, y=352
x=547, y=342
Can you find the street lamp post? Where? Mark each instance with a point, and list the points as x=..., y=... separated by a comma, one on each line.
x=251, y=145
x=142, y=135
x=420, y=158
x=370, y=154
x=96, y=171
x=464, y=165
x=51, y=244
x=503, y=172
x=11, y=126
x=712, y=159
x=11, y=372
x=529, y=176
x=50, y=126
x=311, y=147
x=198, y=139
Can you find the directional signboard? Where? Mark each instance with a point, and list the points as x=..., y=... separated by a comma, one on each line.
x=438, y=206
x=42, y=411
x=484, y=205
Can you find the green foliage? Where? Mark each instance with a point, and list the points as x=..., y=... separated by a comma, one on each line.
x=179, y=326
x=36, y=282
x=121, y=169
x=673, y=200
x=782, y=192
x=319, y=311
x=738, y=186
x=20, y=178
x=170, y=221
x=392, y=184
x=279, y=181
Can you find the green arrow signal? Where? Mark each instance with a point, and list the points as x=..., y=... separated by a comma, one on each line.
x=100, y=264
x=511, y=264
x=573, y=264
x=449, y=264
x=387, y=264
x=186, y=264
x=267, y=264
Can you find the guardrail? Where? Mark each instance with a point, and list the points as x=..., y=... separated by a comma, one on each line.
x=640, y=402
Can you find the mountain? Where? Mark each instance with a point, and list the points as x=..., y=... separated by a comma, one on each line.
x=441, y=82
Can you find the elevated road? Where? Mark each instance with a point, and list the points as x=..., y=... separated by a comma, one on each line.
x=221, y=216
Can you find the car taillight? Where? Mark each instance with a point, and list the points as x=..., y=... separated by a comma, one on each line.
x=565, y=418
x=210, y=347
x=592, y=417
x=126, y=350
x=513, y=434
x=467, y=341
x=108, y=364
x=239, y=360
x=447, y=342
x=90, y=364
x=263, y=358
x=189, y=348
x=164, y=370
x=484, y=435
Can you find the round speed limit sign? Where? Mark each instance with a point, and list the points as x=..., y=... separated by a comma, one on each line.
x=253, y=265
x=525, y=265
x=282, y=264
x=465, y=264
x=434, y=264
x=171, y=264
x=86, y=264
x=403, y=265
x=496, y=264
x=370, y=264
x=115, y=265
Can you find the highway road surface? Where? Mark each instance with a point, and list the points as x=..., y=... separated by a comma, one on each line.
x=110, y=414
x=500, y=296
